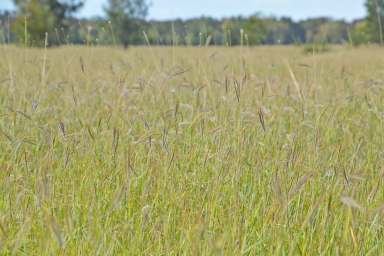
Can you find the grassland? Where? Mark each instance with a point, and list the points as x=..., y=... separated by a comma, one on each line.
x=191, y=151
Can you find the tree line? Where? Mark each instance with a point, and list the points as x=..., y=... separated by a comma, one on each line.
x=35, y=22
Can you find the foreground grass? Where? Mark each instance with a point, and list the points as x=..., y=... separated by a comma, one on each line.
x=162, y=151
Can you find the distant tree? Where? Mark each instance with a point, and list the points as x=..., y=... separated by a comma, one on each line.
x=334, y=32
x=255, y=30
x=126, y=19
x=36, y=17
x=32, y=22
x=126, y=23
x=375, y=19
x=283, y=31
x=312, y=27
x=232, y=28
x=6, y=35
x=359, y=33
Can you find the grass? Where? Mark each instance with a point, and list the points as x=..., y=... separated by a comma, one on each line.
x=191, y=151
x=316, y=48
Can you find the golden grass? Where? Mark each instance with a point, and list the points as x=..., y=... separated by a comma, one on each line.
x=191, y=151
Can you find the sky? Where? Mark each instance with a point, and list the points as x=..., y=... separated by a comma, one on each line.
x=297, y=9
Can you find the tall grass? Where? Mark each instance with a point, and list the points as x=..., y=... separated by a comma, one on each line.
x=173, y=151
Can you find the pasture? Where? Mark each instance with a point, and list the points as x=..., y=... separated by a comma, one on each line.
x=191, y=151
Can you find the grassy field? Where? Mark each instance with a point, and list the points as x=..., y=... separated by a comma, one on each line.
x=191, y=151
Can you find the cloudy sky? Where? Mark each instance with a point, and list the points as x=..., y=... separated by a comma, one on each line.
x=298, y=9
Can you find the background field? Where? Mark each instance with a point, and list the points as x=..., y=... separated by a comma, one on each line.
x=190, y=151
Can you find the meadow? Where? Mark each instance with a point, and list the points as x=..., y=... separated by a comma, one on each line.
x=191, y=151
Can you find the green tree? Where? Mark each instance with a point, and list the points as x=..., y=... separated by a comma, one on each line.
x=255, y=30
x=126, y=19
x=35, y=18
x=358, y=33
x=334, y=32
x=283, y=31
x=33, y=21
x=375, y=9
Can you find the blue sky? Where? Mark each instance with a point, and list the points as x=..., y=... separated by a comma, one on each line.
x=298, y=9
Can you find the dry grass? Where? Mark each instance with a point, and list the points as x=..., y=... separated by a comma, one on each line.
x=191, y=151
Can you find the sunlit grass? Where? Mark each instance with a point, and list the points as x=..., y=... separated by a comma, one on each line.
x=195, y=151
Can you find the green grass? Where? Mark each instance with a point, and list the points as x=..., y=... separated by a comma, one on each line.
x=191, y=151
